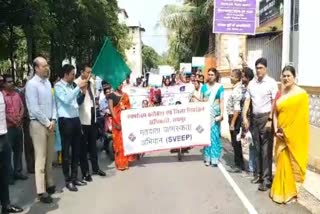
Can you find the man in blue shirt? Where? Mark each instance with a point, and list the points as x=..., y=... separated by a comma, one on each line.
x=67, y=95
x=42, y=113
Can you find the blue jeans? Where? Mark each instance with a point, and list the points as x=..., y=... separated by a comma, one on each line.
x=252, y=159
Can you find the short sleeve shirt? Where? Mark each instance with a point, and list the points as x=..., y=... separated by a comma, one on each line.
x=262, y=93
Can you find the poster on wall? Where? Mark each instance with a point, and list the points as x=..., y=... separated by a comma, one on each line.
x=234, y=17
x=165, y=127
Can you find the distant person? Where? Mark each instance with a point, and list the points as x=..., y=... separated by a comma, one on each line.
x=291, y=126
x=196, y=96
x=145, y=104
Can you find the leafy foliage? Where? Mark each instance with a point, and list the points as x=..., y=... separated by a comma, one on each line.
x=150, y=58
x=190, y=30
x=58, y=29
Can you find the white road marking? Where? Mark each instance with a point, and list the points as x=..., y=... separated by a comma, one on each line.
x=238, y=191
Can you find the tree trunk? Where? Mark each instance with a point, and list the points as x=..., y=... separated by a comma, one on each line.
x=211, y=46
x=12, y=53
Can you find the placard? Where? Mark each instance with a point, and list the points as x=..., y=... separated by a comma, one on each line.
x=165, y=127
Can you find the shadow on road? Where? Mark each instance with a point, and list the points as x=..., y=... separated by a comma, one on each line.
x=167, y=159
x=40, y=208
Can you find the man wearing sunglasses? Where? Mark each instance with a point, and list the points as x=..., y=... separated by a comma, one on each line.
x=261, y=92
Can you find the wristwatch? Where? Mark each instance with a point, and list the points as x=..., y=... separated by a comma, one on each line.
x=269, y=119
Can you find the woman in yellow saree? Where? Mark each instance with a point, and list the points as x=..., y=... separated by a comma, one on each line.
x=291, y=123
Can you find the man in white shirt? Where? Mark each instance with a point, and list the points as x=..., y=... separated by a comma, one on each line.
x=261, y=92
x=89, y=129
x=5, y=162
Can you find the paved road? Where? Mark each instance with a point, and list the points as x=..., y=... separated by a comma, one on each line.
x=157, y=184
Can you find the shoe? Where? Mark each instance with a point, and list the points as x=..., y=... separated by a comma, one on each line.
x=87, y=178
x=207, y=163
x=45, y=198
x=214, y=165
x=100, y=173
x=235, y=170
x=256, y=180
x=20, y=176
x=79, y=183
x=71, y=187
x=31, y=171
x=11, y=209
x=51, y=190
x=263, y=187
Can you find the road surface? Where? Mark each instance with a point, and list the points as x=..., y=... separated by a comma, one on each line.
x=157, y=184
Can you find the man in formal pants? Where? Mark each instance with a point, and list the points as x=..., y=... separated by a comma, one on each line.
x=89, y=128
x=5, y=164
x=67, y=94
x=42, y=112
x=14, y=116
x=261, y=92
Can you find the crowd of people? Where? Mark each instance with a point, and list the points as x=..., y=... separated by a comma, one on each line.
x=61, y=116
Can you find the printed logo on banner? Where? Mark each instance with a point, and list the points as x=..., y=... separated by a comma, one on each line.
x=199, y=129
x=132, y=137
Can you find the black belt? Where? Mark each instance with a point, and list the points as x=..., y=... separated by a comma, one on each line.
x=261, y=114
x=38, y=120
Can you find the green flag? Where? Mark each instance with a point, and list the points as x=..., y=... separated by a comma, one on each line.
x=110, y=66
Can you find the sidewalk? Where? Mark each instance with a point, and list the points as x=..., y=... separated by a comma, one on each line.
x=309, y=192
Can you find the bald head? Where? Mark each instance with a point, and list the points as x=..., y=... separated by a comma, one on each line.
x=41, y=67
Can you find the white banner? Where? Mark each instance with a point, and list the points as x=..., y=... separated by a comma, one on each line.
x=165, y=127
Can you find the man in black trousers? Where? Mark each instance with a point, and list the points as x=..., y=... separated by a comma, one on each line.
x=5, y=164
x=89, y=128
x=67, y=94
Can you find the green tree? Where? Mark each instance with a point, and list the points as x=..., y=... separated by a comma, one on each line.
x=190, y=29
x=58, y=29
x=150, y=58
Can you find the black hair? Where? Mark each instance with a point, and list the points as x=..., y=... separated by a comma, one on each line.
x=262, y=61
x=178, y=103
x=248, y=73
x=5, y=77
x=83, y=67
x=103, y=82
x=287, y=68
x=238, y=73
x=106, y=88
x=66, y=69
x=216, y=73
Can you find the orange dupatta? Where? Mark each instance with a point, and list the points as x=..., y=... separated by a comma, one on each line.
x=121, y=161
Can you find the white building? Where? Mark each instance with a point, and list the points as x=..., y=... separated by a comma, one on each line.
x=134, y=53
